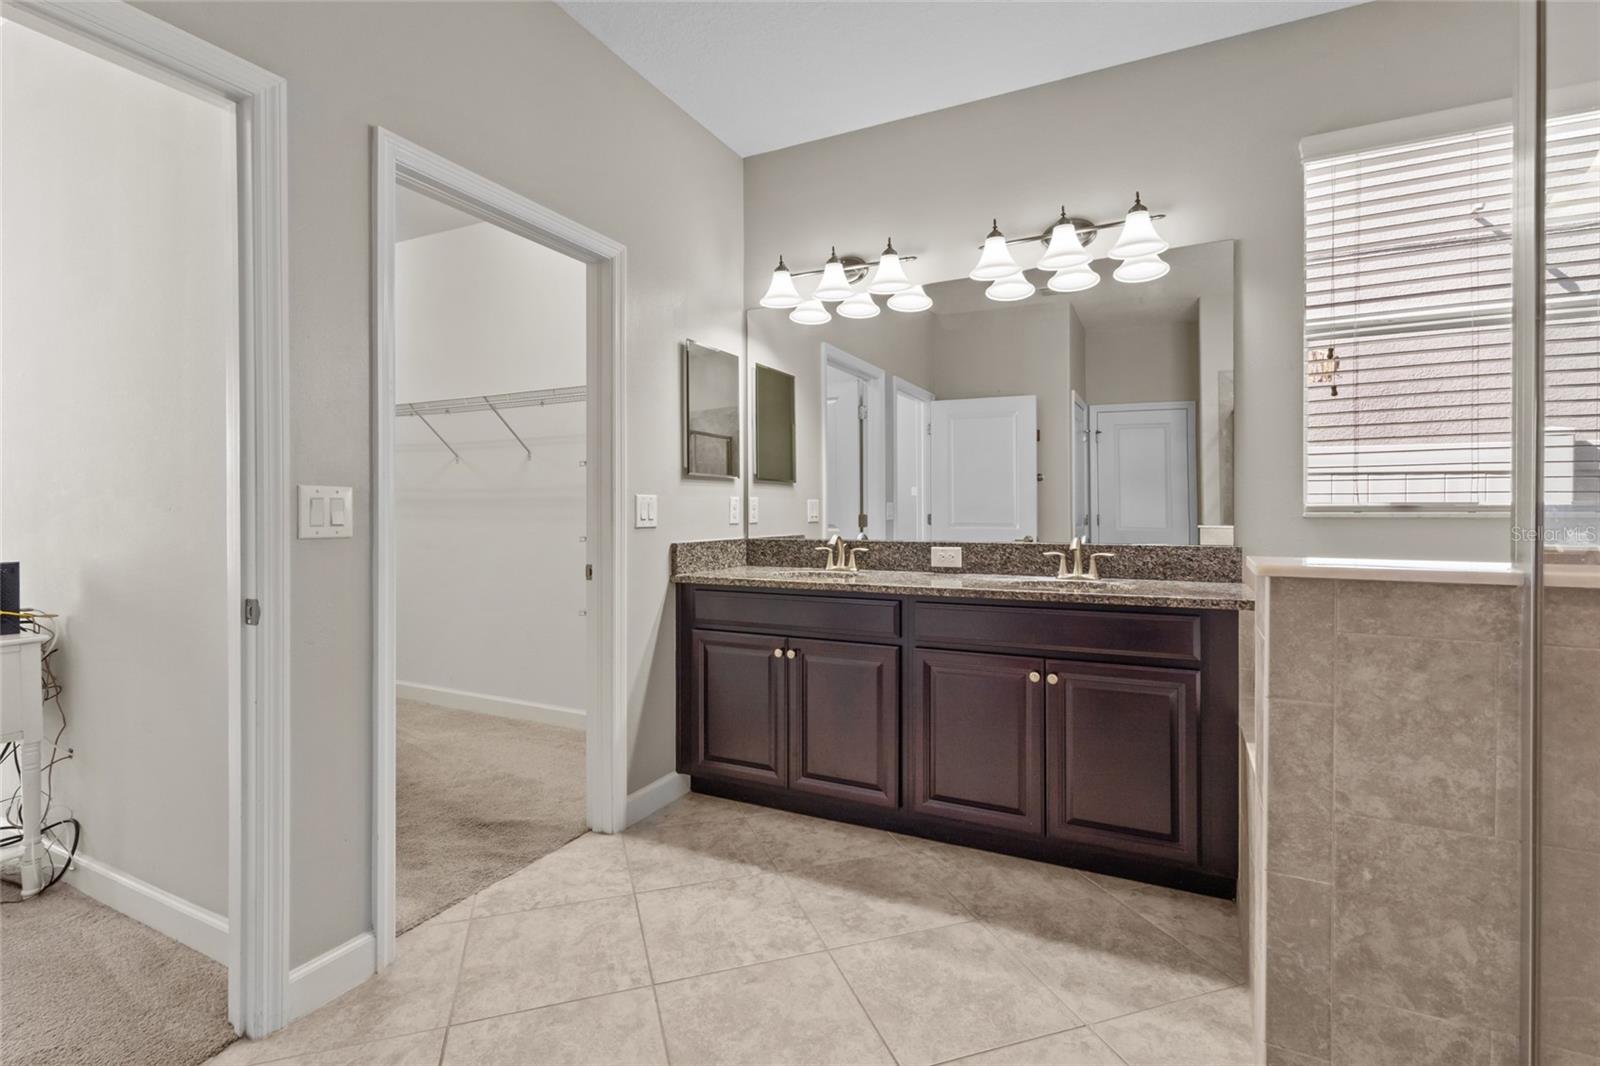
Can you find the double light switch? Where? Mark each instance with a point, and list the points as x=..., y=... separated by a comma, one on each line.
x=325, y=511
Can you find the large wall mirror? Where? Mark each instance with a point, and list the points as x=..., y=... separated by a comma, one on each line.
x=1106, y=414
x=710, y=412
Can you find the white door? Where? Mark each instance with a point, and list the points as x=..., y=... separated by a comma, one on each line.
x=1143, y=481
x=985, y=469
x=911, y=448
x=843, y=502
x=1080, y=467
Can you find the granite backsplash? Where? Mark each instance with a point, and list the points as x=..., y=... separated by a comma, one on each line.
x=1149, y=562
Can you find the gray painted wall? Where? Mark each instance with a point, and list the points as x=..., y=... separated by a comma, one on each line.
x=521, y=94
x=1209, y=135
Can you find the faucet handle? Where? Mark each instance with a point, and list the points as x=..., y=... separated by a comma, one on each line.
x=829, y=553
x=1061, y=570
x=1094, y=560
x=851, y=564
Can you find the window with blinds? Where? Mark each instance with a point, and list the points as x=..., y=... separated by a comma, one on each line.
x=1408, y=321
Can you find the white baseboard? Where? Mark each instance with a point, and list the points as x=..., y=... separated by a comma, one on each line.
x=331, y=974
x=521, y=710
x=654, y=796
x=188, y=923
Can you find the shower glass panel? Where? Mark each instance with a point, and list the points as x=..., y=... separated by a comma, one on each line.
x=1566, y=759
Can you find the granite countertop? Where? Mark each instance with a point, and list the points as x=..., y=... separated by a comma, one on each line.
x=1122, y=592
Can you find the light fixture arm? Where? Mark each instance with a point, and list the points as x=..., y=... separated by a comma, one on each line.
x=1086, y=231
x=854, y=266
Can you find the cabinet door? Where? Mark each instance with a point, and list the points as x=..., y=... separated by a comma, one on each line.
x=737, y=707
x=1122, y=765
x=975, y=739
x=844, y=721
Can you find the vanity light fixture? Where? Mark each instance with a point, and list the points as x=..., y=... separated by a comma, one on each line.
x=810, y=313
x=1141, y=268
x=1065, y=251
x=1009, y=289
x=834, y=286
x=858, y=305
x=1139, y=237
x=890, y=276
x=911, y=300
x=781, y=293
x=1075, y=279
x=995, y=262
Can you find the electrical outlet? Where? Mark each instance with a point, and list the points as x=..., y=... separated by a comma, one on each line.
x=813, y=510
x=949, y=558
x=733, y=510
x=755, y=509
x=644, y=512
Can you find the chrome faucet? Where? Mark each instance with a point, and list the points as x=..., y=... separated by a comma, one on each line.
x=1077, y=574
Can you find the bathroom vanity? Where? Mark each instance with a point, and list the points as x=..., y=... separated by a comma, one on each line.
x=1088, y=724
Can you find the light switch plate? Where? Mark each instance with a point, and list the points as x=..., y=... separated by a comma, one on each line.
x=947, y=557
x=733, y=510
x=755, y=509
x=813, y=510
x=327, y=511
x=644, y=511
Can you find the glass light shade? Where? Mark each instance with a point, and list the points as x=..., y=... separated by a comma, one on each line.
x=995, y=261
x=834, y=286
x=810, y=313
x=1138, y=236
x=913, y=299
x=781, y=293
x=1065, y=251
x=1077, y=279
x=859, y=305
x=1006, y=290
x=1142, y=268
x=890, y=277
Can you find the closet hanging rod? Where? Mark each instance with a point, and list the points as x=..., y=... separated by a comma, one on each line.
x=497, y=402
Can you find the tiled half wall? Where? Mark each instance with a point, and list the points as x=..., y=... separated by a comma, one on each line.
x=1386, y=893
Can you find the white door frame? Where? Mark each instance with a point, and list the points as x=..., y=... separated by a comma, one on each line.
x=395, y=162
x=1082, y=466
x=1187, y=406
x=873, y=463
x=258, y=727
x=898, y=530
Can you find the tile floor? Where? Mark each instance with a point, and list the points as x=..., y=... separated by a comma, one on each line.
x=716, y=932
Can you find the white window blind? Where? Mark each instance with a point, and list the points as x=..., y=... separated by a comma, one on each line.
x=1408, y=319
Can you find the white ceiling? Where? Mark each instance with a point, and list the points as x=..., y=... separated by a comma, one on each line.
x=416, y=215
x=763, y=76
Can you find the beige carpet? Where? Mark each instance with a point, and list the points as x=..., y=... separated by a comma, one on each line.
x=80, y=984
x=477, y=798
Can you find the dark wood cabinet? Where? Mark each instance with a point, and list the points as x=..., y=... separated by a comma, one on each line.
x=1122, y=757
x=736, y=713
x=1103, y=738
x=975, y=739
x=844, y=721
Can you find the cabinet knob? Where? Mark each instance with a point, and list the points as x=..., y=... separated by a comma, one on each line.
x=1052, y=678
x=1033, y=675
x=777, y=653
x=790, y=654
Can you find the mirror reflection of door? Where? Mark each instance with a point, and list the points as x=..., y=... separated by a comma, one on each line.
x=844, y=451
x=985, y=469
x=1143, y=485
x=912, y=429
x=1080, y=467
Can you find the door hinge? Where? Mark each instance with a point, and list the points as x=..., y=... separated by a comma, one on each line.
x=861, y=520
x=930, y=518
x=588, y=571
x=861, y=413
x=252, y=612
x=1036, y=436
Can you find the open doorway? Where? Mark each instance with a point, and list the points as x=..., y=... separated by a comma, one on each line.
x=144, y=470
x=491, y=654
x=497, y=735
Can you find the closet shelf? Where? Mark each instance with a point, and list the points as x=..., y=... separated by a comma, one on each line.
x=504, y=401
